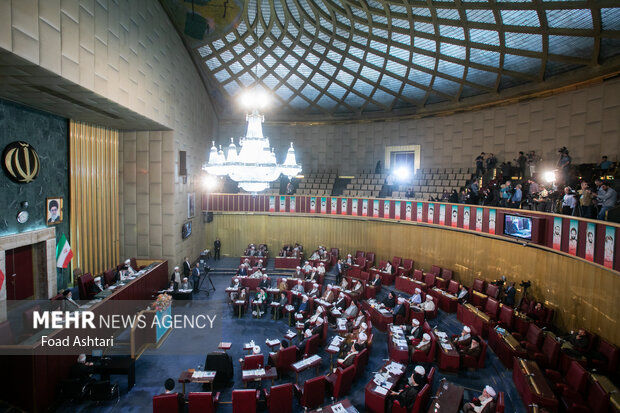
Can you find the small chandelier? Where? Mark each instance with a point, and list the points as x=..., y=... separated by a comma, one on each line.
x=255, y=166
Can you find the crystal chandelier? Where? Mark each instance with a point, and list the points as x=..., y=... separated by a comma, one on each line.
x=255, y=166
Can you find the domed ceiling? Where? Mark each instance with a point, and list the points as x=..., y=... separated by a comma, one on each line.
x=340, y=59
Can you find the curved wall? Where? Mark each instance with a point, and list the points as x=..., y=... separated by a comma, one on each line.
x=585, y=120
x=583, y=294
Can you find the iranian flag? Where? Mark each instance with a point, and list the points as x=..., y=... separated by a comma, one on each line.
x=63, y=252
x=1, y=279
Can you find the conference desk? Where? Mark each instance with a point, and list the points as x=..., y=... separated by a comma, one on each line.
x=474, y=318
x=448, y=398
x=387, y=278
x=532, y=385
x=448, y=357
x=254, y=260
x=398, y=348
x=191, y=376
x=259, y=375
x=609, y=387
x=283, y=263
x=505, y=346
x=376, y=395
x=29, y=362
x=447, y=301
x=380, y=317
x=478, y=299
x=305, y=364
x=408, y=285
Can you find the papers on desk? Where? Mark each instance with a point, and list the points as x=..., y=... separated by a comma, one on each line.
x=333, y=348
x=289, y=307
x=112, y=287
x=400, y=343
x=203, y=374
x=336, y=312
x=257, y=372
x=342, y=323
x=381, y=390
x=442, y=335
x=338, y=408
x=394, y=368
x=446, y=346
x=385, y=311
x=185, y=290
x=272, y=343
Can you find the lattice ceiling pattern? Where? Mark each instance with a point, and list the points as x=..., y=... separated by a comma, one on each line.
x=351, y=58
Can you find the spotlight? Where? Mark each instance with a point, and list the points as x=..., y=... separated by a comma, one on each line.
x=209, y=182
x=549, y=176
x=402, y=173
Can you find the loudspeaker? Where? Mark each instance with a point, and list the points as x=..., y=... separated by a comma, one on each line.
x=208, y=217
x=182, y=163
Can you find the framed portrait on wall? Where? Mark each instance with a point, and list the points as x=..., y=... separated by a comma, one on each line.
x=186, y=230
x=191, y=205
x=53, y=211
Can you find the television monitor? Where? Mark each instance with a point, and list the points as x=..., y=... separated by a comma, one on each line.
x=518, y=226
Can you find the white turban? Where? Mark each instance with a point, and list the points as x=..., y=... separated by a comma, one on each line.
x=315, y=285
x=97, y=279
x=426, y=337
x=467, y=329
x=298, y=267
x=490, y=391
x=417, y=290
x=415, y=321
x=256, y=350
x=329, y=286
x=420, y=370
x=362, y=336
x=429, y=298
x=127, y=261
x=364, y=326
x=308, y=333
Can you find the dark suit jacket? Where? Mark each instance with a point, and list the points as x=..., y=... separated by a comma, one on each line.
x=407, y=396
x=186, y=268
x=376, y=282
x=243, y=271
x=399, y=310
x=388, y=302
x=417, y=334
x=195, y=272
x=509, y=299
x=265, y=284
x=303, y=307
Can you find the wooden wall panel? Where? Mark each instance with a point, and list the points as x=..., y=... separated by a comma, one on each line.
x=94, y=197
x=583, y=294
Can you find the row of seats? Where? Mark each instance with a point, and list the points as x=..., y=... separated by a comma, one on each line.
x=468, y=170
x=440, y=182
x=320, y=192
x=361, y=194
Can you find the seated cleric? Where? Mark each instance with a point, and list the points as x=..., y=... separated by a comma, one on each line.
x=483, y=404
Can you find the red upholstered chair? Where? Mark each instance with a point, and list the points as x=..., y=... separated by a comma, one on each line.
x=361, y=361
x=491, y=308
x=422, y=357
x=359, y=253
x=166, y=403
x=202, y=402
x=533, y=338
x=429, y=279
x=501, y=403
x=549, y=354
x=478, y=285
x=312, y=345
x=134, y=264
x=597, y=401
x=370, y=259
x=244, y=401
x=476, y=363
x=430, y=376
x=280, y=398
x=610, y=354
x=396, y=262
x=108, y=277
x=435, y=270
x=418, y=275
x=340, y=382
x=406, y=267
x=574, y=381
x=361, y=262
x=446, y=274
x=85, y=281
x=420, y=402
x=506, y=317
x=492, y=290
x=312, y=394
x=453, y=287
x=253, y=362
x=284, y=359
x=403, y=319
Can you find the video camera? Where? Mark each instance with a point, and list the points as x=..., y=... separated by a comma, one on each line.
x=526, y=284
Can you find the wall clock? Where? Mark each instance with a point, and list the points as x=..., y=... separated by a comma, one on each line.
x=22, y=217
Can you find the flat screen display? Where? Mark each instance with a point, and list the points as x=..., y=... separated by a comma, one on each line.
x=518, y=226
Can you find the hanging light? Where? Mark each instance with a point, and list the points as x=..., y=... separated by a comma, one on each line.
x=255, y=165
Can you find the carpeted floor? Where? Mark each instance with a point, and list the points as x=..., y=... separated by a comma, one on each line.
x=187, y=349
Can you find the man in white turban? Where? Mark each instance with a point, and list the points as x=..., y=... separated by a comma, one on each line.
x=483, y=404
